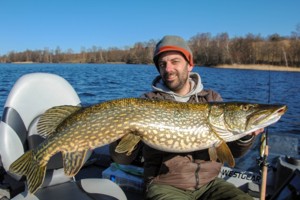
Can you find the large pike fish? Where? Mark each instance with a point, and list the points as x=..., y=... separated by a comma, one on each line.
x=164, y=125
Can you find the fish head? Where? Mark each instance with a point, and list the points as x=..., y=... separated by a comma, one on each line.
x=247, y=117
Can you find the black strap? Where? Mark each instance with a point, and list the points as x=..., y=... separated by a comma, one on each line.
x=9, y=186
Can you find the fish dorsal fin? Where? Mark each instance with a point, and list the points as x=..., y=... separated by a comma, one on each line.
x=73, y=161
x=127, y=144
x=53, y=117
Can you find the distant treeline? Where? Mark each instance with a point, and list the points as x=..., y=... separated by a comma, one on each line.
x=208, y=50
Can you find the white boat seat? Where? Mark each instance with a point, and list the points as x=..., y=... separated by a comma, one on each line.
x=30, y=97
x=102, y=189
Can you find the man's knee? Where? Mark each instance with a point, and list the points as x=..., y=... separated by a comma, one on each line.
x=225, y=190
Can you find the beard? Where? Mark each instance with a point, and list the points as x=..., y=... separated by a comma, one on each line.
x=174, y=81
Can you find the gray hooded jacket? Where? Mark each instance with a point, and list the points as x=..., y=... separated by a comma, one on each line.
x=196, y=85
x=197, y=93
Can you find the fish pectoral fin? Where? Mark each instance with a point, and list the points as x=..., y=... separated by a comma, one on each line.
x=53, y=117
x=212, y=153
x=73, y=161
x=221, y=152
x=128, y=144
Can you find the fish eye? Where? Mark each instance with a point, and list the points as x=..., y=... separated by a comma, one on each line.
x=245, y=107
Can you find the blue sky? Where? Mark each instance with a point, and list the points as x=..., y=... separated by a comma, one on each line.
x=74, y=24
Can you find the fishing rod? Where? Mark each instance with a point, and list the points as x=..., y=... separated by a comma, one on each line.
x=264, y=152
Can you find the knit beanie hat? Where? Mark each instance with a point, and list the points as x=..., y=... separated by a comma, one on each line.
x=173, y=43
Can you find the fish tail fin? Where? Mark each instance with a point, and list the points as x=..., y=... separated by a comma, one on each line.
x=28, y=166
x=223, y=153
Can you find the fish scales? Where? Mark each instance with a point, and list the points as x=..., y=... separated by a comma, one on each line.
x=164, y=125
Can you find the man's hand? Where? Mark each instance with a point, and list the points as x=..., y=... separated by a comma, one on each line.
x=257, y=132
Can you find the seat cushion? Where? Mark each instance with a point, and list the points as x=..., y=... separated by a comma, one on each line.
x=99, y=189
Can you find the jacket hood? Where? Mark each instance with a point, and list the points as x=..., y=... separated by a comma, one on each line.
x=195, y=79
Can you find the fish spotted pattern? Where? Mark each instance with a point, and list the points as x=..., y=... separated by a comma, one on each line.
x=164, y=125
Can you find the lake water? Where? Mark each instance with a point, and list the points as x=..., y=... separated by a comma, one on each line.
x=95, y=83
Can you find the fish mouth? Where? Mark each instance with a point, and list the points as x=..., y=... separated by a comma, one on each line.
x=265, y=117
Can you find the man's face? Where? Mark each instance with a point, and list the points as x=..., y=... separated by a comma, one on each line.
x=175, y=70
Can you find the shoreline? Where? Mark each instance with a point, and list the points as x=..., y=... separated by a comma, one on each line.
x=225, y=66
x=259, y=67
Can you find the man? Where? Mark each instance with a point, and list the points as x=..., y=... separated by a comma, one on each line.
x=182, y=175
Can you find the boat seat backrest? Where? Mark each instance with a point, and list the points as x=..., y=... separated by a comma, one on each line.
x=30, y=97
